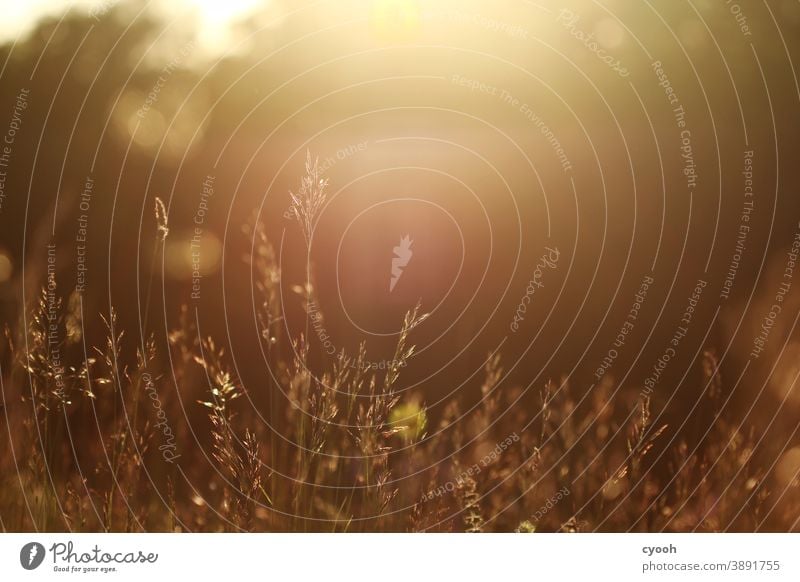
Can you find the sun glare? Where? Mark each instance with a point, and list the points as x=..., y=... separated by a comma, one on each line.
x=395, y=18
x=215, y=18
x=222, y=11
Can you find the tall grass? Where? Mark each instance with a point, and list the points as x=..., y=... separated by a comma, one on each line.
x=340, y=447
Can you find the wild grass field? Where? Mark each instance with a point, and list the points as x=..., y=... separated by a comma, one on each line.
x=120, y=435
x=399, y=266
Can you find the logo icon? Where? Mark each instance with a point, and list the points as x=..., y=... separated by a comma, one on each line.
x=31, y=555
x=403, y=254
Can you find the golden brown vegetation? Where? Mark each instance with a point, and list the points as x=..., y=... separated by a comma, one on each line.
x=105, y=446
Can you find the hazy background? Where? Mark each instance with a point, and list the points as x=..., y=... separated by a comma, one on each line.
x=368, y=87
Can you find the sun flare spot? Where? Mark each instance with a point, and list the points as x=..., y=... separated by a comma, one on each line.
x=215, y=19
x=395, y=19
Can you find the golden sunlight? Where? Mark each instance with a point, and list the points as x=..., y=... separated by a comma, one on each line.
x=215, y=18
x=395, y=18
